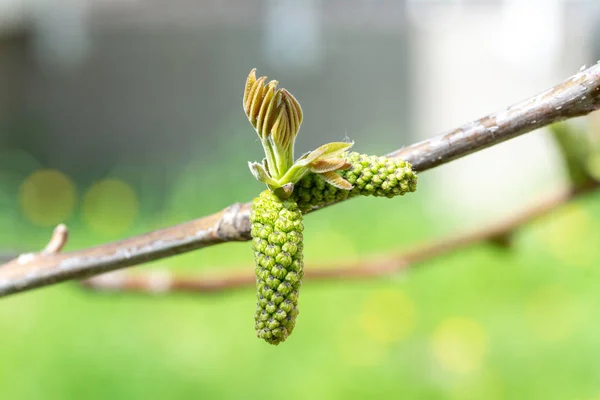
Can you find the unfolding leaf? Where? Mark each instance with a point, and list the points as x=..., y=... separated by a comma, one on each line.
x=303, y=156
x=249, y=90
x=261, y=174
x=265, y=112
x=329, y=150
x=294, y=111
x=280, y=132
x=329, y=164
x=258, y=93
x=336, y=180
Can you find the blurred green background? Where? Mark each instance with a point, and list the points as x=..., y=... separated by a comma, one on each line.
x=118, y=118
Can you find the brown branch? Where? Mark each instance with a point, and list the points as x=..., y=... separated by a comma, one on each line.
x=167, y=282
x=578, y=95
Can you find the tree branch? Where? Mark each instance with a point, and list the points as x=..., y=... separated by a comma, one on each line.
x=163, y=281
x=578, y=95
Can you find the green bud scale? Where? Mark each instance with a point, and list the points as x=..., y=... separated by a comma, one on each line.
x=277, y=244
x=370, y=176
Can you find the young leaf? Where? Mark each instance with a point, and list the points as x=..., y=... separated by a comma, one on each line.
x=335, y=180
x=329, y=164
x=303, y=156
x=266, y=107
x=260, y=173
x=294, y=111
x=249, y=90
x=256, y=101
x=329, y=150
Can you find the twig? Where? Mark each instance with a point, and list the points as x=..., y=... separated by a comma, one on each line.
x=59, y=238
x=168, y=282
x=57, y=241
x=578, y=95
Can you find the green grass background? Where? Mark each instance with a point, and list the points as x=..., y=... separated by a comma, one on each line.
x=482, y=323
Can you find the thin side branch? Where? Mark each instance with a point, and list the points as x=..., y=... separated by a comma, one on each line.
x=59, y=238
x=158, y=282
x=577, y=96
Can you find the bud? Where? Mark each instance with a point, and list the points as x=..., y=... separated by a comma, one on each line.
x=276, y=116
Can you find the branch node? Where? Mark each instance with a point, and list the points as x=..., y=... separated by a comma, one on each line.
x=234, y=223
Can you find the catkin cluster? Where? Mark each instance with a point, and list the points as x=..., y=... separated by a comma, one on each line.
x=277, y=244
x=370, y=176
x=325, y=175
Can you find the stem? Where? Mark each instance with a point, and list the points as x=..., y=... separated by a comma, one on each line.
x=285, y=160
x=280, y=162
x=293, y=175
x=285, y=163
x=270, y=154
x=290, y=154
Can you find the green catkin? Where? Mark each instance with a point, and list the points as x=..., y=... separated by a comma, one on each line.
x=277, y=244
x=370, y=176
x=277, y=233
x=323, y=176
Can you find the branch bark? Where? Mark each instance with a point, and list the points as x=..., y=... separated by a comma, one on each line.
x=579, y=95
x=159, y=282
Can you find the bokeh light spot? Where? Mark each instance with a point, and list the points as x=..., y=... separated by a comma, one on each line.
x=47, y=197
x=459, y=345
x=571, y=237
x=552, y=314
x=110, y=207
x=355, y=348
x=388, y=316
